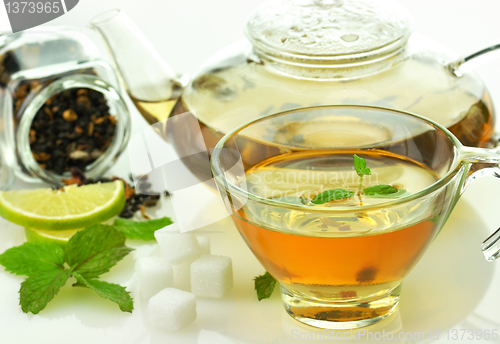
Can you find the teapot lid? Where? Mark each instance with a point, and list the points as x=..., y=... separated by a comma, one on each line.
x=329, y=29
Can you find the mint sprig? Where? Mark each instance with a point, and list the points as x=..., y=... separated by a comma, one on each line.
x=264, y=286
x=360, y=166
x=88, y=254
x=375, y=191
x=143, y=230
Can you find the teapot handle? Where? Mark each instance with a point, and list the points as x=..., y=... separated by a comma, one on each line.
x=473, y=155
x=459, y=67
x=491, y=246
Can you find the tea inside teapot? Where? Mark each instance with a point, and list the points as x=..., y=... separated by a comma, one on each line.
x=302, y=53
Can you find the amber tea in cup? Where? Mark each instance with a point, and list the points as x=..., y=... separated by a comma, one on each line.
x=338, y=238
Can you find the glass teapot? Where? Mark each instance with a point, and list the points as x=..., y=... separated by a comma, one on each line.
x=302, y=53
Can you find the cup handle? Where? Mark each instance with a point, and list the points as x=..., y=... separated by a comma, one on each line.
x=491, y=246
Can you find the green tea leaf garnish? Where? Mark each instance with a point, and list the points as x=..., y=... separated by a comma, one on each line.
x=143, y=230
x=360, y=166
x=332, y=195
x=264, y=285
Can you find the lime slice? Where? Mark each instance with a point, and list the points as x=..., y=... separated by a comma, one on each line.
x=47, y=236
x=71, y=207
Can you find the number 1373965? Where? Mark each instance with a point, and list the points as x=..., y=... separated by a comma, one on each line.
x=33, y=7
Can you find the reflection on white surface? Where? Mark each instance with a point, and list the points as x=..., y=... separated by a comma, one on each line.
x=451, y=287
x=152, y=158
x=210, y=337
x=452, y=277
x=293, y=332
x=444, y=291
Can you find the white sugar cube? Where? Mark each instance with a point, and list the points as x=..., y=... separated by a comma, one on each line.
x=155, y=274
x=182, y=275
x=172, y=309
x=156, y=251
x=182, y=271
x=176, y=246
x=204, y=243
x=211, y=276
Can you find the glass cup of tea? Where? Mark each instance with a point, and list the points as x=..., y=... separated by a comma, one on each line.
x=338, y=203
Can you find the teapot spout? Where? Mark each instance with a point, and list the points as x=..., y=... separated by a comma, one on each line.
x=146, y=77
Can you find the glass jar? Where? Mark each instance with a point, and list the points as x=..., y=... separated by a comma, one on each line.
x=37, y=66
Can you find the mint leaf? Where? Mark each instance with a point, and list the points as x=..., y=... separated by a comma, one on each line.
x=91, y=241
x=102, y=262
x=264, y=285
x=38, y=289
x=110, y=291
x=360, y=166
x=332, y=195
x=292, y=200
x=32, y=257
x=397, y=194
x=382, y=189
x=143, y=230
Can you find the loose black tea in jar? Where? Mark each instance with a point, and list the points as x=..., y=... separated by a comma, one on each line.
x=62, y=107
x=71, y=130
